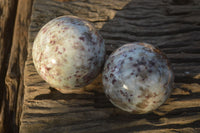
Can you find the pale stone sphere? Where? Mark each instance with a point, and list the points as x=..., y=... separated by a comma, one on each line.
x=138, y=78
x=68, y=52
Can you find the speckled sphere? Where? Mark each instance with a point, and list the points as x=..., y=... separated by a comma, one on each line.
x=137, y=78
x=68, y=52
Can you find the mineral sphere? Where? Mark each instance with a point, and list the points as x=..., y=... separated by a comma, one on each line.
x=137, y=78
x=68, y=52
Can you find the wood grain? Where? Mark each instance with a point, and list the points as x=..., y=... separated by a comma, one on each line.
x=15, y=74
x=171, y=25
x=7, y=19
x=14, y=53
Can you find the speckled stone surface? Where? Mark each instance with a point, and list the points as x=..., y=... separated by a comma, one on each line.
x=137, y=78
x=68, y=52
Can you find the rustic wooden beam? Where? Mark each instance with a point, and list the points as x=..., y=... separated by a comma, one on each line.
x=15, y=74
x=13, y=62
x=7, y=20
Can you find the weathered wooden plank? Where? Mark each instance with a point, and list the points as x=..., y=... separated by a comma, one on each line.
x=171, y=25
x=14, y=77
x=7, y=19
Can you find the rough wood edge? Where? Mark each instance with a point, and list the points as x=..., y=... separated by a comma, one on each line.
x=7, y=19
x=15, y=71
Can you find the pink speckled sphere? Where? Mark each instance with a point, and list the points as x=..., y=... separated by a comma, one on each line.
x=68, y=52
x=137, y=78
